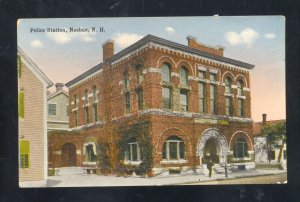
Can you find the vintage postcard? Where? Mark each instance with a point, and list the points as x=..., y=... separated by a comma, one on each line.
x=151, y=101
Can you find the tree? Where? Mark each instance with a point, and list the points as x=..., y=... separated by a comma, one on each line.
x=275, y=133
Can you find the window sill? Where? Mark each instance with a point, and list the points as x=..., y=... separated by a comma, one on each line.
x=181, y=161
x=75, y=109
x=87, y=163
x=228, y=94
x=241, y=97
x=132, y=162
x=241, y=159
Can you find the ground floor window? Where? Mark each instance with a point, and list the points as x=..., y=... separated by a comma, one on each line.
x=24, y=153
x=133, y=152
x=240, y=149
x=90, y=153
x=173, y=149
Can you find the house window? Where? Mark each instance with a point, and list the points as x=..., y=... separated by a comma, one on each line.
x=166, y=94
x=67, y=110
x=95, y=112
x=213, y=108
x=133, y=152
x=228, y=101
x=127, y=102
x=202, y=74
x=201, y=97
x=95, y=94
x=126, y=81
x=90, y=153
x=213, y=76
x=173, y=149
x=75, y=101
x=228, y=85
x=241, y=110
x=75, y=118
x=166, y=72
x=86, y=97
x=240, y=87
x=183, y=101
x=21, y=109
x=140, y=99
x=183, y=76
x=24, y=153
x=139, y=74
x=51, y=109
x=86, y=115
x=240, y=149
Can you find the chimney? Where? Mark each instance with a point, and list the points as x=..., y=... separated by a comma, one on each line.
x=59, y=86
x=264, y=121
x=215, y=50
x=108, y=49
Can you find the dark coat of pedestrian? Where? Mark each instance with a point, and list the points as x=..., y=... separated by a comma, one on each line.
x=210, y=167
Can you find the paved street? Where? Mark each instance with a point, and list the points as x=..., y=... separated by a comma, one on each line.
x=75, y=177
x=269, y=179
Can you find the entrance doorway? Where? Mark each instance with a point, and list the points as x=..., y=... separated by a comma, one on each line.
x=210, y=151
x=68, y=155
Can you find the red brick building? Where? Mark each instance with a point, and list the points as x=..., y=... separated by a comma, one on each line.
x=193, y=103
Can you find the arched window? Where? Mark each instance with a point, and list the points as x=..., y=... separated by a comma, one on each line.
x=183, y=76
x=95, y=110
x=173, y=149
x=240, y=86
x=133, y=151
x=86, y=97
x=240, y=149
x=166, y=73
x=90, y=155
x=86, y=108
x=139, y=73
x=228, y=83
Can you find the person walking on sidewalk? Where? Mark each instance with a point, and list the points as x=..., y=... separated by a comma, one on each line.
x=210, y=167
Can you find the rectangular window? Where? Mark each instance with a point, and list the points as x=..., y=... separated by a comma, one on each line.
x=241, y=107
x=86, y=114
x=75, y=101
x=166, y=98
x=202, y=74
x=183, y=101
x=95, y=112
x=173, y=150
x=126, y=82
x=127, y=102
x=181, y=150
x=213, y=77
x=75, y=118
x=140, y=76
x=228, y=101
x=213, y=109
x=21, y=109
x=24, y=153
x=52, y=109
x=140, y=100
x=67, y=110
x=201, y=97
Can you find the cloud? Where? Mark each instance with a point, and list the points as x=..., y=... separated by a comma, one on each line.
x=170, y=30
x=36, y=43
x=270, y=35
x=62, y=37
x=245, y=37
x=124, y=40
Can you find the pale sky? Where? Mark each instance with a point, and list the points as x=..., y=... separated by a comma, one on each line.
x=258, y=40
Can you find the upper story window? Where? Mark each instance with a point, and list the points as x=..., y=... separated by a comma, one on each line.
x=240, y=88
x=202, y=74
x=213, y=101
x=166, y=96
x=75, y=101
x=228, y=84
x=140, y=99
x=139, y=73
x=95, y=93
x=75, y=118
x=213, y=76
x=126, y=81
x=173, y=149
x=86, y=97
x=241, y=107
x=183, y=76
x=51, y=109
x=183, y=100
x=201, y=97
x=228, y=101
x=127, y=102
x=166, y=73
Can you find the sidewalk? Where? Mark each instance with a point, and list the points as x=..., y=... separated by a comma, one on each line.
x=75, y=177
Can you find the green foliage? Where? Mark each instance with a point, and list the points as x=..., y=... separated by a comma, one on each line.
x=274, y=133
x=103, y=158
